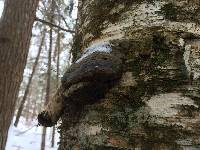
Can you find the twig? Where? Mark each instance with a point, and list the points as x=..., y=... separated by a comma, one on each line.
x=51, y=24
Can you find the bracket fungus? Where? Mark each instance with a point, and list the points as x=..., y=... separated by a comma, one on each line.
x=85, y=81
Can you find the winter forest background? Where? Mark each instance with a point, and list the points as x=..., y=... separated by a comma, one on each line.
x=25, y=134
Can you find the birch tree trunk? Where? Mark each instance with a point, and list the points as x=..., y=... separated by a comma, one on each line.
x=15, y=34
x=155, y=104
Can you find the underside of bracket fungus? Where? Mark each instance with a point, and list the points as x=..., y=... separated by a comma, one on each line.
x=85, y=82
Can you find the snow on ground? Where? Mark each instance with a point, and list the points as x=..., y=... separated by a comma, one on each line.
x=18, y=139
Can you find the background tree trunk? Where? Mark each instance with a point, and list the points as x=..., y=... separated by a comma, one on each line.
x=43, y=141
x=15, y=34
x=155, y=104
x=57, y=49
x=48, y=88
x=19, y=112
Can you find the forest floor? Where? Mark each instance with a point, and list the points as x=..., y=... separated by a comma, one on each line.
x=28, y=137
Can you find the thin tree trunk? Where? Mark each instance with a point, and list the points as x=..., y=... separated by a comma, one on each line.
x=57, y=50
x=42, y=98
x=56, y=47
x=27, y=106
x=43, y=138
x=53, y=136
x=57, y=79
x=35, y=107
x=15, y=34
x=48, y=71
x=47, y=88
x=19, y=112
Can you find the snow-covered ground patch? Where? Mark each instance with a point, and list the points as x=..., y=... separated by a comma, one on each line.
x=28, y=137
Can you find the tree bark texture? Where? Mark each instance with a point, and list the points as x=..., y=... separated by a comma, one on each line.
x=155, y=104
x=15, y=34
x=134, y=83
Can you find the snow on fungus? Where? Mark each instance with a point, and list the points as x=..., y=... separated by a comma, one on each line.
x=102, y=47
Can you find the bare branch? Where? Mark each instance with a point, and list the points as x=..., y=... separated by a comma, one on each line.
x=53, y=25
